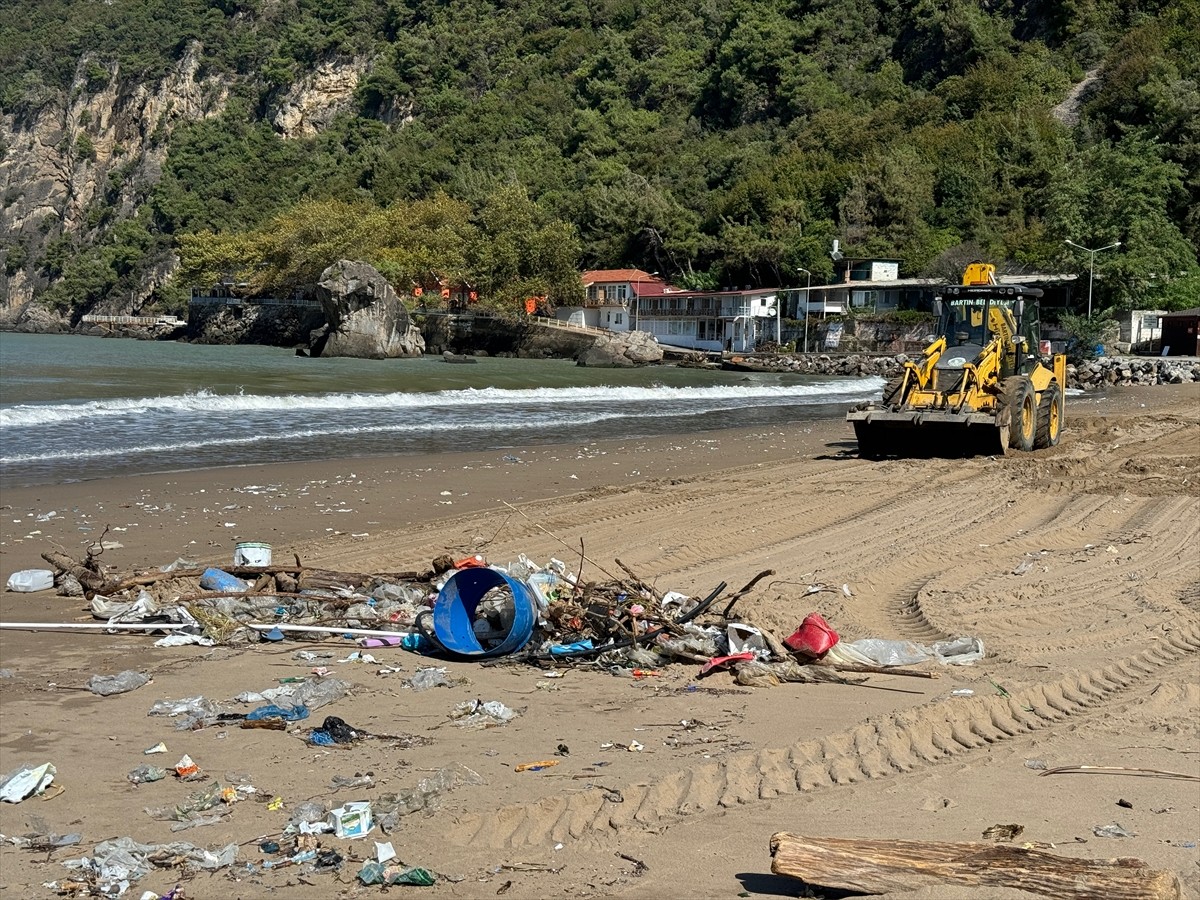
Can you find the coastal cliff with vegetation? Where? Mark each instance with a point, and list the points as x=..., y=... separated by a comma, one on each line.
x=148, y=145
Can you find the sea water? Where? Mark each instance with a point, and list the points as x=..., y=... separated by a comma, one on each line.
x=81, y=407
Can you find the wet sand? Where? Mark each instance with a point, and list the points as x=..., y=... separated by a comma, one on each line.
x=1094, y=647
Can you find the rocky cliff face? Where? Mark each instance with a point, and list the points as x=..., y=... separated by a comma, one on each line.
x=74, y=163
x=86, y=157
x=308, y=106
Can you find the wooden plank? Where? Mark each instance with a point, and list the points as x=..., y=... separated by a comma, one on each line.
x=881, y=866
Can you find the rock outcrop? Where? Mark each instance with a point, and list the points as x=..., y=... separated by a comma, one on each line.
x=364, y=317
x=621, y=350
x=309, y=106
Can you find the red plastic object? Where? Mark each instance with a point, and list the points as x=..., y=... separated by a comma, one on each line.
x=719, y=662
x=470, y=562
x=813, y=638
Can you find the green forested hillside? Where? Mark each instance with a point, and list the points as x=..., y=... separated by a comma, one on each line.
x=717, y=142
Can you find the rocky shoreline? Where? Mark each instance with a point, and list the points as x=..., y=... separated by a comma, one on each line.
x=1103, y=372
x=1106, y=371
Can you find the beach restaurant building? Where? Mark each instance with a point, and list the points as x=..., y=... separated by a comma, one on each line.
x=633, y=300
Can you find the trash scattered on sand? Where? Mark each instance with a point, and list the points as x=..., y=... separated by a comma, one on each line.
x=1114, y=830
x=482, y=714
x=26, y=781
x=1003, y=833
x=373, y=872
x=107, y=685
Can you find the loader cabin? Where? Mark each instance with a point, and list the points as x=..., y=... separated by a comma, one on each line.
x=970, y=316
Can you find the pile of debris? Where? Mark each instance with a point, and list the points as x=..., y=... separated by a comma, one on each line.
x=470, y=609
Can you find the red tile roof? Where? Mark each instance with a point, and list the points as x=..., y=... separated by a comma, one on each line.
x=610, y=276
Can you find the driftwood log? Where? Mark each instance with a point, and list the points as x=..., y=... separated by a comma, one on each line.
x=90, y=578
x=879, y=866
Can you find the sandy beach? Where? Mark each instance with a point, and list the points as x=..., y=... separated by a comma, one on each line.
x=1092, y=659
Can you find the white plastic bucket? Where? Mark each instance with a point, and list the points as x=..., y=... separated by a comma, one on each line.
x=252, y=553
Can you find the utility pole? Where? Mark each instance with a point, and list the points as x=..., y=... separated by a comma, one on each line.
x=807, y=293
x=1091, y=266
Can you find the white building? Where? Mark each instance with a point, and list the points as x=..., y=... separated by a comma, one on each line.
x=630, y=299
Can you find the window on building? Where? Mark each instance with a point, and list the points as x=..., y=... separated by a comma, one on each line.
x=591, y=294
x=619, y=292
x=620, y=318
x=608, y=317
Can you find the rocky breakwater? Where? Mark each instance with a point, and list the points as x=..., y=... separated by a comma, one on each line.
x=1123, y=370
x=818, y=364
x=1093, y=375
x=364, y=317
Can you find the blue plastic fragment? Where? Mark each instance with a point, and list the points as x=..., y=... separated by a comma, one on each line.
x=273, y=635
x=564, y=649
x=321, y=738
x=271, y=711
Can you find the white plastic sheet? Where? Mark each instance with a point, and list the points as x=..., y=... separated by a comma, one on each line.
x=962, y=651
x=26, y=781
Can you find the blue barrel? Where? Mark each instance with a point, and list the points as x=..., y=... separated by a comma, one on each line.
x=454, y=612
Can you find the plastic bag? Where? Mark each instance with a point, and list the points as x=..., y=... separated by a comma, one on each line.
x=389, y=808
x=481, y=714
x=429, y=677
x=312, y=693
x=696, y=641
x=200, y=801
x=271, y=711
x=351, y=781
x=308, y=811
x=963, y=651
x=144, y=774
x=107, y=685
x=189, y=706
x=376, y=873
x=879, y=652
x=815, y=637
x=640, y=656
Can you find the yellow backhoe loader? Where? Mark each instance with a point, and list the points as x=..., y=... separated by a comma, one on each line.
x=980, y=387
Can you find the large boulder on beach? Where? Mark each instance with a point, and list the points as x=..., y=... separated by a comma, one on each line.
x=364, y=317
x=621, y=350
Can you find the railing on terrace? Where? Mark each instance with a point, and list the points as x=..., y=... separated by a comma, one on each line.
x=569, y=326
x=132, y=320
x=207, y=300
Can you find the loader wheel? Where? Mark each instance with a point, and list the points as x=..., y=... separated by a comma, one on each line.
x=868, y=442
x=891, y=391
x=1050, y=417
x=1022, y=404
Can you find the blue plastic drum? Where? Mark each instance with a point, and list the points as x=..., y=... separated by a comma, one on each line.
x=454, y=612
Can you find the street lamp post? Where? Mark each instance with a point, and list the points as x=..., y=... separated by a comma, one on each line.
x=807, y=291
x=1091, y=265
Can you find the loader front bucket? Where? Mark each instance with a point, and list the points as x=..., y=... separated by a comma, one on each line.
x=883, y=434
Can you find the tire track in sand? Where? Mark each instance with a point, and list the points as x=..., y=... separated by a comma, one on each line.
x=893, y=745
